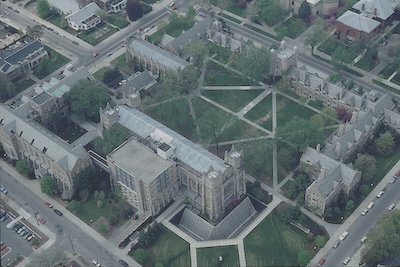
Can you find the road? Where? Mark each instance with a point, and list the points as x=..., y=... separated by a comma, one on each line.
x=80, y=241
x=362, y=225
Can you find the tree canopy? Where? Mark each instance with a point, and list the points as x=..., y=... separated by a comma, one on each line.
x=385, y=144
x=316, y=33
x=304, y=11
x=43, y=8
x=48, y=185
x=304, y=257
x=198, y=51
x=366, y=163
x=271, y=11
x=254, y=62
x=134, y=9
x=181, y=81
x=35, y=32
x=112, y=138
x=23, y=167
x=86, y=98
x=300, y=133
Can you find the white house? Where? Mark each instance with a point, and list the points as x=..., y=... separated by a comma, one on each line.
x=85, y=18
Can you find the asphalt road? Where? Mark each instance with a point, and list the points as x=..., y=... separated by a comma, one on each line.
x=362, y=226
x=80, y=241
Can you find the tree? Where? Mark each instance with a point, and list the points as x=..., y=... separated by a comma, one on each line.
x=367, y=165
x=271, y=11
x=304, y=257
x=324, y=118
x=286, y=159
x=35, y=32
x=42, y=69
x=284, y=84
x=198, y=51
x=385, y=144
x=316, y=33
x=210, y=123
x=364, y=189
x=96, y=194
x=102, y=228
x=319, y=241
x=139, y=255
x=49, y=258
x=254, y=62
x=23, y=167
x=102, y=195
x=304, y=11
x=251, y=11
x=99, y=203
x=350, y=205
x=74, y=205
x=384, y=239
x=112, y=76
x=43, y=8
x=134, y=9
x=299, y=133
x=86, y=98
x=48, y=185
x=159, y=264
x=112, y=138
x=223, y=4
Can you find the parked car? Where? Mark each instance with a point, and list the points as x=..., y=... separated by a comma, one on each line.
x=321, y=261
x=336, y=244
x=3, y=190
x=75, y=42
x=59, y=213
x=5, y=217
x=95, y=54
x=363, y=239
x=391, y=207
x=123, y=263
x=370, y=205
x=48, y=205
x=365, y=211
x=96, y=263
x=109, y=54
x=392, y=180
x=346, y=260
x=41, y=220
x=343, y=236
x=380, y=194
x=31, y=237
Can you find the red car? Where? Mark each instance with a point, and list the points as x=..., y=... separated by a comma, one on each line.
x=41, y=220
x=2, y=247
x=48, y=205
x=321, y=262
x=95, y=54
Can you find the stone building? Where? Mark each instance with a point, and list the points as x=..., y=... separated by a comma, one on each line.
x=209, y=183
x=282, y=59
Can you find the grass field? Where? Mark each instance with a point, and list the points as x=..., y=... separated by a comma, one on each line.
x=219, y=75
x=169, y=249
x=100, y=73
x=209, y=257
x=55, y=61
x=98, y=34
x=239, y=130
x=286, y=109
x=384, y=164
x=273, y=243
x=232, y=99
x=262, y=113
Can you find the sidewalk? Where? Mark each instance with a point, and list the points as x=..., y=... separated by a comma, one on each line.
x=34, y=186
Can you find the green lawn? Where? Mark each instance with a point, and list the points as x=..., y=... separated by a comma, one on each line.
x=117, y=20
x=273, y=243
x=156, y=37
x=100, y=73
x=239, y=130
x=98, y=34
x=231, y=18
x=90, y=211
x=209, y=257
x=217, y=75
x=222, y=53
x=120, y=62
x=396, y=79
x=286, y=109
x=384, y=164
x=262, y=113
x=168, y=249
x=234, y=100
x=292, y=28
x=366, y=64
x=381, y=84
x=316, y=104
x=55, y=61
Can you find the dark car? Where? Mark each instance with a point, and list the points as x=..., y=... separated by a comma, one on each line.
x=59, y=229
x=123, y=263
x=59, y=213
x=75, y=42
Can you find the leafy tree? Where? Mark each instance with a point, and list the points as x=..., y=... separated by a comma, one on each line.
x=299, y=133
x=254, y=62
x=343, y=115
x=99, y=203
x=159, y=264
x=139, y=255
x=35, y=32
x=350, y=205
x=134, y=9
x=96, y=194
x=48, y=258
x=23, y=167
x=319, y=241
x=286, y=158
x=84, y=194
x=324, y=118
x=86, y=98
x=43, y=68
x=304, y=11
x=198, y=51
x=284, y=84
x=112, y=138
x=385, y=144
x=43, y=8
x=102, y=195
x=384, y=239
x=316, y=33
x=114, y=220
x=271, y=11
x=364, y=189
x=223, y=4
x=74, y=205
x=102, y=228
x=367, y=165
x=112, y=76
x=251, y=11
x=304, y=257
x=48, y=185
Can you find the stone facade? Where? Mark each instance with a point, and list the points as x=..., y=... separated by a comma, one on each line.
x=282, y=59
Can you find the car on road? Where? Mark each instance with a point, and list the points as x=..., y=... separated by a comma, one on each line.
x=123, y=263
x=41, y=220
x=343, y=236
x=5, y=217
x=346, y=260
x=392, y=180
x=59, y=229
x=109, y=54
x=380, y=194
x=363, y=239
x=59, y=213
x=75, y=42
x=16, y=11
x=95, y=263
x=391, y=207
x=370, y=205
x=365, y=211
x=48, y=204
x=95, y=54
x=3, y=190
x=321, y=262
x=336, y=244
x=147, y=29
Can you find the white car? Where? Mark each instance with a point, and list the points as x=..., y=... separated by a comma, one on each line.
x=380, y=194
x=95, y=263
x=346, y=260
x=391, y=207
x=363, y=240
x=364, y=212
x=343, y=236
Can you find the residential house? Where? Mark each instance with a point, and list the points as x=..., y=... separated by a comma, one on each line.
x=112, y=6
x=85, y=18
x=209, y=183
x=317, y=7
x=65, y=7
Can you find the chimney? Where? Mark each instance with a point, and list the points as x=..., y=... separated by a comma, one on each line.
x=321, y=174
x=375, y=11
x=318, y=148
x=341, y=130
x=363, y=7
x=337, y=150
x=354, y=117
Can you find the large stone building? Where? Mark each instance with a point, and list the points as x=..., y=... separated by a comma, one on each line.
x=282, y=59
x=209, y=183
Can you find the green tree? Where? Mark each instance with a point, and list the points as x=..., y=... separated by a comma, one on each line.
x=350, y=205
x=112, y=76
x=23, y=167
x=159, y=264
x=43, y=8
x=74, y=205
x=385, y=144
x=254, y=62
x=48, y=185
x=139, y=255
x=286, y=158
x=384, y=239
x=367, y=165
x=284, y=84
x=299, y=133
x=198, y=51
x=42, y=70
x=48, y=258
x=319, y=241
x=99, y=203
x=86, y=98
x=251, y=11
x=35, y=32
x=324, y=118
x=364, y=189
x=271, y=11
x=304, y=257
x=102, y=195
x=134, y=9
x=112, y=138
x=102, y=228
x=316, y=33
x=223, y=4
x=304, y=11
x=96, y=194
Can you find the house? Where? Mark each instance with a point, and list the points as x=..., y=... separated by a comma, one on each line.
x=85, y=18
x=153, y=58
x=330, y=177
x=353, y=26
x=23, y=138
x=21, y=57
x=65, y=7
x=112, y=6
x=317, y=7
x=209, y=183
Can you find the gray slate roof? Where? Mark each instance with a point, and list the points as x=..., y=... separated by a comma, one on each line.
x=84, y=13
x=138, y=81
x=358, y=22
x=157, y=54
x=384, y=8
x=186, y=151
x=57, y=149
